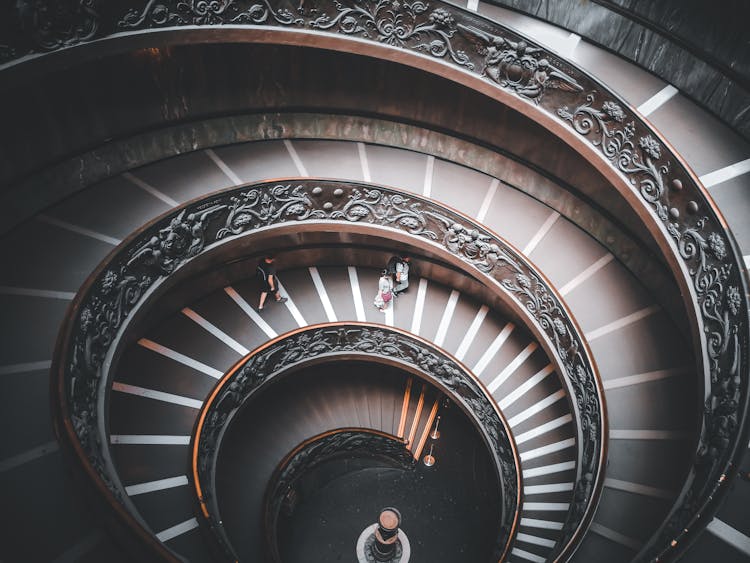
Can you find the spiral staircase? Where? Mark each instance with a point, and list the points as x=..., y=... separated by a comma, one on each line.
x=613, y=277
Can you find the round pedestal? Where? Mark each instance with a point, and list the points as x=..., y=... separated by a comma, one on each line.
x=367, y=539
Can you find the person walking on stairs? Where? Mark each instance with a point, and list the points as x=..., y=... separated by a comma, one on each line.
x=266, y=273
x=385, y=292
x=398, y=268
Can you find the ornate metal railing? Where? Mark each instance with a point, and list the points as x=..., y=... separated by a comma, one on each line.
x=646, y=170
x=330, y=342
x=385, y=449
x=104, y=307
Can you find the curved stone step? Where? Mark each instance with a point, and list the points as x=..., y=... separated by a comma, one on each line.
x=182, y=357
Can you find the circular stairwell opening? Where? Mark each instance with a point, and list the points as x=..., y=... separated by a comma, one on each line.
x=310, y=462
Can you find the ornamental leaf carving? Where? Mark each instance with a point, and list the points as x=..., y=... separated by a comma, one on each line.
x=477, y=248
x=261, y=207
x=525, y=69
x=398, y=23
x=162, y=13
x=702, y=247
x=54, y=24
x=392, y=209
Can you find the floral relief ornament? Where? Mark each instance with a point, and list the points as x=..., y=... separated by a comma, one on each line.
x=399, y=24
x=617, y=143
x=650, y=146
x=734, y=300
x=525, y=69
x=160, y=13
x=56, y=24
x=706, y=256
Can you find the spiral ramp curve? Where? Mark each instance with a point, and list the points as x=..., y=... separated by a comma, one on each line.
x=163, y=378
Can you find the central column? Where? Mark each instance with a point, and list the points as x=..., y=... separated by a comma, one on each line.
x=384, y=542
x=386, y=535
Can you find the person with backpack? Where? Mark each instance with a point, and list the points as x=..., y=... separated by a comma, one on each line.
x=391, y=266
x=401, y=277
x=266, y=274
x=398, y=269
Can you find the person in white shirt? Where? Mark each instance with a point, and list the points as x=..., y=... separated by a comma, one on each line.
x=384, y=296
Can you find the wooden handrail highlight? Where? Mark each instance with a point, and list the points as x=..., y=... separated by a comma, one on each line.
x=426, y=431
x=404, y=409
x=417, y=415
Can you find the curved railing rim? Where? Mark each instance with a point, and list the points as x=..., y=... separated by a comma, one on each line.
x=98, y=281
x=270, y=519
x=440, y=376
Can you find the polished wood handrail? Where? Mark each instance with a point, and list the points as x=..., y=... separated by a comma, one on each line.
x=417, y=416
x=404, y=408
x=426, y=431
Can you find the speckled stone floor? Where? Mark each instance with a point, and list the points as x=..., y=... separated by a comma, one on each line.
x=449, y=511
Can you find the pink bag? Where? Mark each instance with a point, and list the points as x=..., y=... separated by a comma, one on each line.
x=387, y=296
